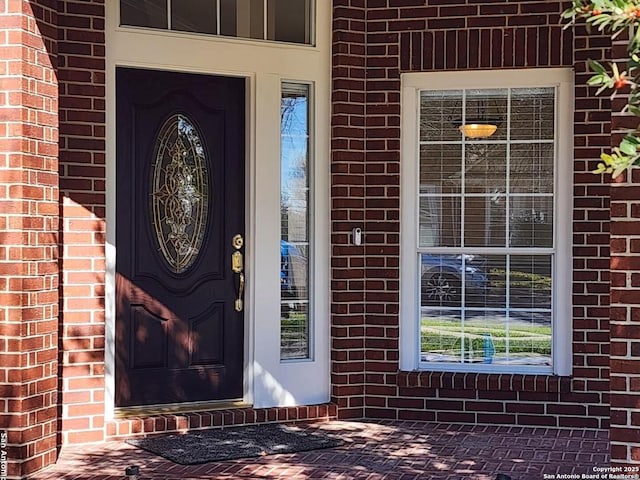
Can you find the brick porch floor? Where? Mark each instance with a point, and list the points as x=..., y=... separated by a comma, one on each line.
x=372, y=450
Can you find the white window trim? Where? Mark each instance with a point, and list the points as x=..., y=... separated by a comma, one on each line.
x=411, y=84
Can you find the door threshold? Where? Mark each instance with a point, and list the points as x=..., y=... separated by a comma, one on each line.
x=172, y=408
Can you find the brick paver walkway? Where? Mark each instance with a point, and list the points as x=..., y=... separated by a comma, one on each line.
x=373, y=451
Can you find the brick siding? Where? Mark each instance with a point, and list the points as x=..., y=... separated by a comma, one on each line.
x=348, y=207
x=82, y=219
x=434, y=35
x=121, y=428
x=625, y=297
x=29, y=235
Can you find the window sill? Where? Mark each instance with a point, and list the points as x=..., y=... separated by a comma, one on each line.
x=485, y=381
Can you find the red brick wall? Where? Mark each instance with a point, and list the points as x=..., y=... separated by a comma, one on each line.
x=81, y=73
x=428, y=35
x=625, y=299
x=625, y=320
x=348, y=207
x=591, y=230
x=28, y=234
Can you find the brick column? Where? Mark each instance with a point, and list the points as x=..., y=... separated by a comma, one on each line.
x=82, y=226
x=592, y=127
x=28, y=233
x=625, y=320
x=383, y=205
x=625, y=299
x=347, y=207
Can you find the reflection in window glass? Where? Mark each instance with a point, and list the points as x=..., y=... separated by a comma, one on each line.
x=487, y=106
x=439, y=112
x=228, y=18
x=486, y=227
x=493, y=309
x=288, y=21
x=430, y=222
x=531, y=167
x=242, y=18
x=194, y=16
x=532, y=114
x=485, y=168
x=531, y=221
x=147, y=13
x=484, y=224
x=440, y=167
x=294, y=218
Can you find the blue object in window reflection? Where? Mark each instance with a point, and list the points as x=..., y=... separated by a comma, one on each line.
x=293, y=277
x=489, y=348
x=287, y=253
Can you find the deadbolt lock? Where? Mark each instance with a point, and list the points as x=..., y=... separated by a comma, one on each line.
x=237, y=242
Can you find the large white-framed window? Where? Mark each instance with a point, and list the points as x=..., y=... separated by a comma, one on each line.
x=486, y=221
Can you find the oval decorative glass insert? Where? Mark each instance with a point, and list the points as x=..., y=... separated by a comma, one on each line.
x=179, y=192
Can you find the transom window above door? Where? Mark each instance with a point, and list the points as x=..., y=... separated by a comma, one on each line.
x=287, y=21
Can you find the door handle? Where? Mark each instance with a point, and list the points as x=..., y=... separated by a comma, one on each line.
x=237, y=266
x=239, y=304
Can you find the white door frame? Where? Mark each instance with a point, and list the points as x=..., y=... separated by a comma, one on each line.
x=268, y=381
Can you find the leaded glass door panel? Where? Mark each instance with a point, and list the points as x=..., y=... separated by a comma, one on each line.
x=180, y=204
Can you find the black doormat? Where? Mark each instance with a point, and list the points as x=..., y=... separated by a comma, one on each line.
x=218, y=444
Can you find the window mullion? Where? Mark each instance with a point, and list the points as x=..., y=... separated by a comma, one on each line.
x=508, y=228
x=507, y=194
x=218, y=21
x=463, y=173
x=265, y=19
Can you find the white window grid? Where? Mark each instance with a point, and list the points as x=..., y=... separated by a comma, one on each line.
x=411, y=86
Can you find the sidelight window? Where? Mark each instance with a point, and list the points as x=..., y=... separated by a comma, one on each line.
x=276, y=20
x=295, y=248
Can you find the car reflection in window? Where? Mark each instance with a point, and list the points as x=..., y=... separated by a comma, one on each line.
x=293, y=266
x=443, y=276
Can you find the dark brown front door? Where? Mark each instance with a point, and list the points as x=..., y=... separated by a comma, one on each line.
x=179, y=205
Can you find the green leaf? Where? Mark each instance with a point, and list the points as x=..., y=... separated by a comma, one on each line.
x=635, y=42
x=597, y=80
x=606, y=158
x=618, y=170
x=601, y=21
x=597, y=67
x=617, y=18
x=628, y=148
